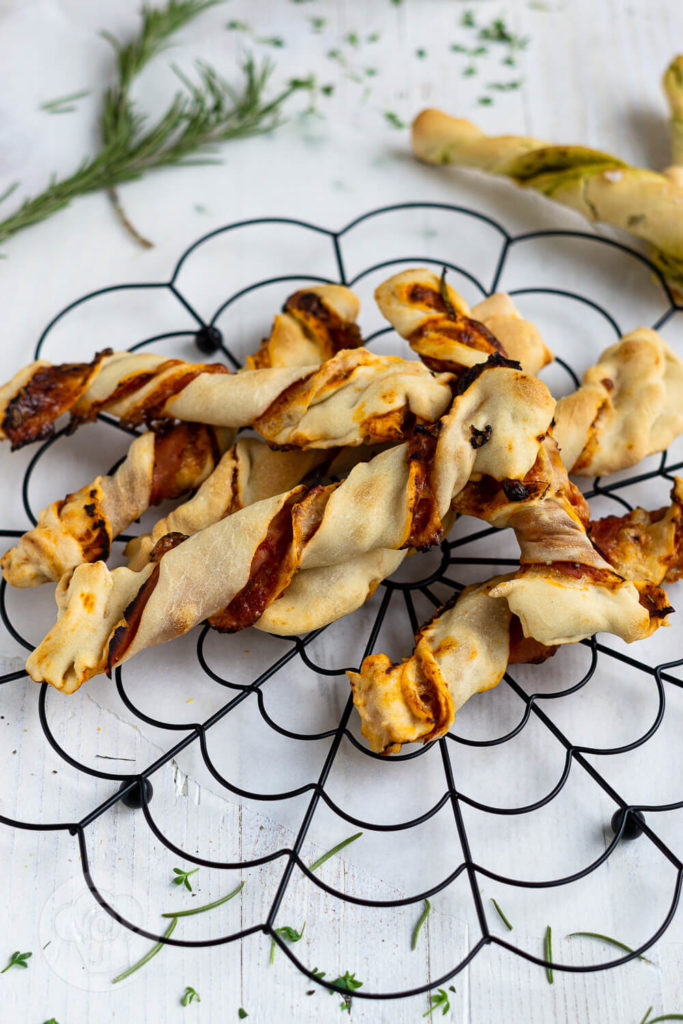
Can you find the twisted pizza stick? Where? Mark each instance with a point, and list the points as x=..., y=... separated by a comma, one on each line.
x=629, y=405
x=563, y=592
x=176, y=459
x=597, y=185
x=231, y=571
x=447, y=334
x=314, y=325
x=644, y=544
x=159, y=465
x=673, y=87
x=352, y=398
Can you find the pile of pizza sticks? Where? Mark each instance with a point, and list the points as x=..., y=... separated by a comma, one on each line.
x=353, y=461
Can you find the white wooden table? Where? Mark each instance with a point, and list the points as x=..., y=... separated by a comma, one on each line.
x=591, y=74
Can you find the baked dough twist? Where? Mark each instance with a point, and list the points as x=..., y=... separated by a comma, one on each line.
x=159, y=465
x=176, y=459
x=354, y=397
x=599, y=186
x=563, y=592
x=629, y=405
x=231, y=571
x=447, y=334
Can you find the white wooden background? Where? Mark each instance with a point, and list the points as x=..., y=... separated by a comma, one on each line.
x=591, y=74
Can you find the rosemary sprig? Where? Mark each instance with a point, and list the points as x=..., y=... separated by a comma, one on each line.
x=548, y=949
x=608, y=940
x=335, y=849
x=203, y=113
x=207, y=906
x=501, y=914
x=156, y=948
x=423, y=917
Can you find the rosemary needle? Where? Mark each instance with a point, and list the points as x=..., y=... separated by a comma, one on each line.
x=548, y=954
x=335, y=849
x=608, y=940
x=207, y=906
x=501, y=914
x=147, y=957
x=421, y=921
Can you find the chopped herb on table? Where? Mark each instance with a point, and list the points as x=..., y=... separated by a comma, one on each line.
x=288, y=934
x=548, y=950
x=608, y=940
x=335, y=849
x=242, y=1013
x=420, y=922
x=207, y=906
x=501, y=914
x=156, y=948
x=394, y=119
x=349, y=983
x=439, y=1001
x=189, y=996
x=183, y=877
x=17, y=959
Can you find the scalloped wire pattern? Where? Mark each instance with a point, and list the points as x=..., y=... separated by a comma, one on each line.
x=531, y=703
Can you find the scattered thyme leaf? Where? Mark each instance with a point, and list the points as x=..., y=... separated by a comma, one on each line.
x=352, y=39
x=183, y=877
x=318, y=24
x=207, y=906
x=484, y=101
x=156, y=948
x=458, y=48
x=468, y=20
x=501, y=914
x=349, y=983
x=327, y=90
x=242, y=1013
x=423, y=917
x=317, y=974
x=394, y=119
x=51, y=1021
x=548, y=950
x=288, y=934
x=237, y=26
x=276, y=41
x=421, y=53
x=505, y=86
x=189, y=996
x=17, y=959
x=608, y=940
x=370, y=72
x=335, y=849
x=373, y=37
x=469, y=71
x=439, y=1000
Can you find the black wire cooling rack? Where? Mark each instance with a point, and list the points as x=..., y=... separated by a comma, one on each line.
x=135, y=790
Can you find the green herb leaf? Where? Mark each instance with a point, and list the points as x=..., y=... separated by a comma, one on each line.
x=51, y=1021
x=548, y=949
x=352, y=39
x=667, y=1016
x=373, y=37
x=318, y=24
x=17, y=959
x=242, y=1013
x=276, y=41
x=467, y=20
x=439, y=1000
x=394, y=119
x=484, y=101
x=458, y=48
x=421, y=53
x=608, y=940
x=349, y=983
x=317, y=974
x=182, y=877
x=327, y=90
x=505, y=86
x=423, y=917
x=207, y=906
x=189, y=996
x=147, y=957
x=335, y=849
x=237, y=26
x=370, y=72
x=288, y=934
x=501, y=915
x=469, y=71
